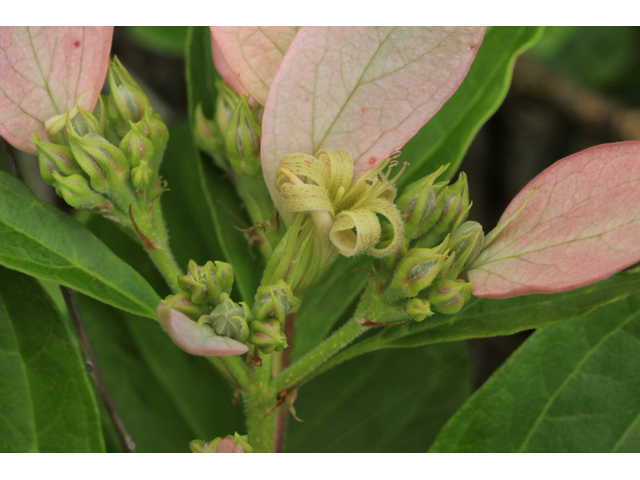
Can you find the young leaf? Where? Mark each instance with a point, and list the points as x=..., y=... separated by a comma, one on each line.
x=47, y=402
x=40, y=240
x=43, y=72
x=365, y=90
x=581, y=225
x=391, y=401
x=569, y=388
x=251, y=56
x=196, y=339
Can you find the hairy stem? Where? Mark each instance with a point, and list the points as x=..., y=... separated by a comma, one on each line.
x=260, y=404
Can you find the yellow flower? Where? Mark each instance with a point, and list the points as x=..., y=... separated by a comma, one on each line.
x=345, y=208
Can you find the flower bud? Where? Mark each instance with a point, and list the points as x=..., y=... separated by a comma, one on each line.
x=141, y=175
x=209, y=139
x=136, y=146
x=267, y=335
x=54, y=158
x=421, y=204
x=417, y=269
x=274, y=301
x=229, y=444
x=103, y=162
x=76, y=192
x=243, y=139
x=229, y=319
x=418, y=309
x=156, y=131
x=127, y=103
x=205, y=284
x=466, y=243
x=455, y=208
x=181, y=302
x=226, y=102
x=448, y=296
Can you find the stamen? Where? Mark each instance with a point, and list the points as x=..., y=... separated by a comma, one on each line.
x=291, y=176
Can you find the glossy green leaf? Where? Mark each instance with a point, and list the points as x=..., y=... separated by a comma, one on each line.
x=569, y=388
x=391, y=401
x=46, y=401
x=446, y=137
x=216, y=190
x=483, y=317
x=38, y=239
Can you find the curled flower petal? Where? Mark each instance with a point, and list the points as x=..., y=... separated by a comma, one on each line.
x=196, y=339
x=339, y=164
x=302, y=165
x=306, y=198
x=367, y=233
x=393, y=215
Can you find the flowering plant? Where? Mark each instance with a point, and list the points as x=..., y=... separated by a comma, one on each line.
x=314, y=219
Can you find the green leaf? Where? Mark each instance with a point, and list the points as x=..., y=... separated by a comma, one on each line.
x=216, y=190
x=569, y=388
x=483, y=317
x=391, y=401
x=167, y=40
x=46, y=401
x=38, y=239
x=166, y=397
x=446, y=137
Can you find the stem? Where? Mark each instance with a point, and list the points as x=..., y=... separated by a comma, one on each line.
x=238, y=369
x=92, y=368
x=260, y=403
x=294, y=375
x=164, y=261
x=283, y=362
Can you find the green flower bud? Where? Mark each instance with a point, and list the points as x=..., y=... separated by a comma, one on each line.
x=274, y=301
x=243, y=139
x=156, y=131
x=418, y=309
x=205, y=284
x=209, y=139
x=267, y=335
x=54, y=158
x=127, y=103
x=136, y=146
x=466, y=243
x=103, y=162
x=226, y=102
x=421, y=204
x=84, y=122
x=455, y=208
x=229, y=444
x=141, y=175
x=181, y=302
x=229, y=319
x=76, y=192
x=448, y=296
x=417, y=269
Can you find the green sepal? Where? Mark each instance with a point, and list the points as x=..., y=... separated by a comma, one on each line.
x=76, y=192
x=229, y=319
x=448, y=296
x=274, y=301
x=54, y=159
x=243, y=139
x=267, y=335
x=418, y=309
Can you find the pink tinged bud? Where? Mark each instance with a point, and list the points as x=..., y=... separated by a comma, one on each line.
x=248, y=57
x=75, y=59
x=196, y=339
x=378, y=99
x=448, y=296
x=580, y=225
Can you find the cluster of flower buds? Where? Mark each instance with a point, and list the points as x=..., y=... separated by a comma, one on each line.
x=232, y=137
x=272, y=305
x=229, y=444
x=107, y=161
x=204, y=297
x=438, y=246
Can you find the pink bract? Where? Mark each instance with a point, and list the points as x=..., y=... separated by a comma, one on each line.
x=581, y=225
x=252, y=56
x=43, y=72
x=196, y=339
x=366, y=90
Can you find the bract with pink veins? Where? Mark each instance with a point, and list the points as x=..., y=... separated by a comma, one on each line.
x=43, y=72
x=250, y=56
x=366, y=90
x=196, y=339
x=580, y=225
